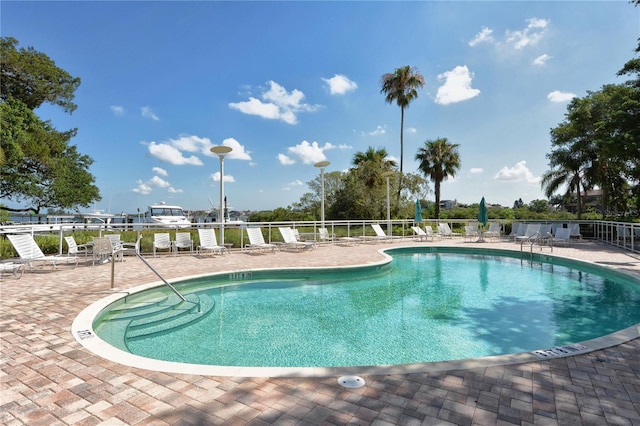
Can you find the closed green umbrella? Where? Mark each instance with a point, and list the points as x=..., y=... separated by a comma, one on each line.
x=483, y=217
x=418, y=216
x=483, y=213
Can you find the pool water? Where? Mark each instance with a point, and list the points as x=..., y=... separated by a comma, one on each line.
x=422, y=307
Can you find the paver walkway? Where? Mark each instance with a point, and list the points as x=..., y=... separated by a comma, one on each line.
x=47, y=378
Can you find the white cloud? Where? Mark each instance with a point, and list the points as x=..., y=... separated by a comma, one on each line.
x=456, y=86
x=380, y=130
x=172, y=151
x=476, y=170
x=295, y=183
x=483, y=36
x=308, y=153
x=145, y=188
x=142, y=188
x=159, y=171
x=411, y=130
x=530, y=36
x=191, y=143
x=285, y=160
x=558, y=96
x=117, y=110
x=541, y=60
x=158, y=182
x=147, y=113
x=171, y=155
x=518, y=173
x=276, y=104
x=227, y=178
x=339, y=84
x=238, y=151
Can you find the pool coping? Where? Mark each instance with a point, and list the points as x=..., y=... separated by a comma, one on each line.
x=83, y=333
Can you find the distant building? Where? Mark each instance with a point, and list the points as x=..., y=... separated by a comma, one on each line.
x=448, y=204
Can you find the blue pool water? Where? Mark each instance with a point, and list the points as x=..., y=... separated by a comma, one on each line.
x=422, y=307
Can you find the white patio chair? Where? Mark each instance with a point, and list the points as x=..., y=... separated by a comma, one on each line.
x=162, y=241
x=290, y=240
x=208, y=241
x=76, y=249
x=183, y=241
x=256, y=241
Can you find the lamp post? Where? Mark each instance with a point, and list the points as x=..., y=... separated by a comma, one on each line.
x=221, y=151
x=387, y=175
x=321, y=165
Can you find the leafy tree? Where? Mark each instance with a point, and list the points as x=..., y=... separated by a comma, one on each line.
x=597, y=146
x=34, y=78
x=310, y=201
x=539, y=206
x=438, y=160
x=37, y=164
x=401, y=87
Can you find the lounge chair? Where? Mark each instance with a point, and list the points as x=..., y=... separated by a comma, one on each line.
x=517, y=230
x=445, y=231
x=420, y=235
x=531, y=231
x=76, y=249
x=493, y=232
x=470, y=233
x=256, y=241
x=30, y=252
x=575, y=230
x=323, y=235
x=381, y=235
x=183, y=241
x=562, y=236
x=208, y=241
x=291, y=241
x=430, y=234
x=162, y=241
x=12, y=267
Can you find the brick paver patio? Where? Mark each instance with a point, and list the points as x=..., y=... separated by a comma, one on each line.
x=47, y=378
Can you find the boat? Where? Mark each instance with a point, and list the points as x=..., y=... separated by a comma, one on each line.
x=164, y=215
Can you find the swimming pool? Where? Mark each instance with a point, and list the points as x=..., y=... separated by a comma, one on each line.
x=425, y=306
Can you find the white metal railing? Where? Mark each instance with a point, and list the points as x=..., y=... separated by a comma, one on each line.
x=620, y=234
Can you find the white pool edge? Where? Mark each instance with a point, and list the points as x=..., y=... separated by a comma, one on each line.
x=83, y=333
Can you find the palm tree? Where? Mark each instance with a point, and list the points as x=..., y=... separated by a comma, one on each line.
x=371, y=164
x=401, y=86
x=369, y=168
x=438, y=160
x=566, y=170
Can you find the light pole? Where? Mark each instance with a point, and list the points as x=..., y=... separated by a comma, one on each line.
x=221, y=151
x=387, y=175
x=322, y=165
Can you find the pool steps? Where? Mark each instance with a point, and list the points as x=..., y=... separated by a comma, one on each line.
x=163, y=321
x=150, y=318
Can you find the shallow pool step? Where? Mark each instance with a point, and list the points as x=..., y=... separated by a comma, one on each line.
x=140, y=308
x=195, y=309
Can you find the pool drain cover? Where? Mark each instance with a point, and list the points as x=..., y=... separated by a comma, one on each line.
x=351, y=382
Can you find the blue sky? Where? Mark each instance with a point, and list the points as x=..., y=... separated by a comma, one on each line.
x=287, y=84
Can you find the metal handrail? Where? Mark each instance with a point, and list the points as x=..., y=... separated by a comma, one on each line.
x=130, y=250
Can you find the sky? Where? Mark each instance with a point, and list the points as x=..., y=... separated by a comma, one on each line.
x=288, y=84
